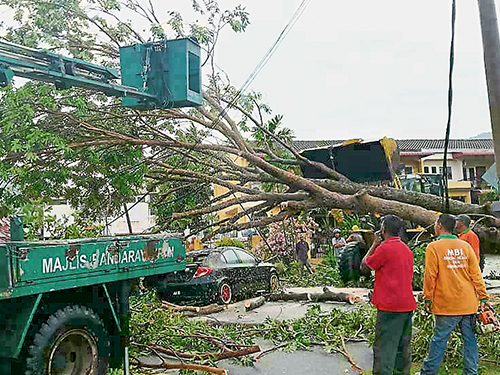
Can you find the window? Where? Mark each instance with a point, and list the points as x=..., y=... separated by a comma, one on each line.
x=480, y=171
x=448, y=172
x=194, y=72
x=464, y=174
x=245, y=257
x=408, y=170
x=230, y=257
x=472, y=174
x=434, y=170
x=426, y=169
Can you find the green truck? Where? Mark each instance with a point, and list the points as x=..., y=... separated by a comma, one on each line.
x=65, y=304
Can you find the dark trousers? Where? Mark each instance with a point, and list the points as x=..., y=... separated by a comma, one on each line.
x=305, y=263
x=392, y=347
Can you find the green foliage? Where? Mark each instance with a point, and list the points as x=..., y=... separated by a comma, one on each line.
x=153, y=324
x=489, y=196
x=263, y=140
x=418, y=267
x=424, y=330
x=325, y=274
x=59, y=228
x=232, y=242
x=69, y=143
x=347, y=223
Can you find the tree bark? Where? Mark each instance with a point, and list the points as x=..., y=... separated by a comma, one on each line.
x=254, y=303
x=327, y=295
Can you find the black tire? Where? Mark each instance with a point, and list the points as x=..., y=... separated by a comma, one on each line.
x=274, y=282
x=349, y=264
x=71, y=341
x=225, y=293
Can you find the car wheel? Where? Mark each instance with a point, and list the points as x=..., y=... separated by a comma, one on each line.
x=225, y=293
x=74, y=340
x=273, y=282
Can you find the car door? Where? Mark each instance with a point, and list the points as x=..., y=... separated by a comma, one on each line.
x=233, y=270
x=250, y=272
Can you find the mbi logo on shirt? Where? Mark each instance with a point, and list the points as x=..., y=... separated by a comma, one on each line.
x=456, y=258
x=455, y=252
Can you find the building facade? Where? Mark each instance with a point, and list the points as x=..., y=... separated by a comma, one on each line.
x=467, y=160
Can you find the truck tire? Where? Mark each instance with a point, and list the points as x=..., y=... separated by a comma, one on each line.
x=73, y=340
x=349, y=264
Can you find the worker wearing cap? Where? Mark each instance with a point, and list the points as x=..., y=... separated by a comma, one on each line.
x=356, y=236
x=452, y=285
x=337, y=242
x=466, y=234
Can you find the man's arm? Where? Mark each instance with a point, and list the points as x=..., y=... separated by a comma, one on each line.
x=364, y=267
x=475, y=245
x=430, y=276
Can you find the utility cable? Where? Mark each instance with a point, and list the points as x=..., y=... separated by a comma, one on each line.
x=450, y=104
x=300, y=10
x=265, y=59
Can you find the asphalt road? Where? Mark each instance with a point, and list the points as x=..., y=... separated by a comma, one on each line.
x=300, y=362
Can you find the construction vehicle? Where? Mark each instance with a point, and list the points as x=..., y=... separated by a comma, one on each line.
x=65, y=304
x=370, y=162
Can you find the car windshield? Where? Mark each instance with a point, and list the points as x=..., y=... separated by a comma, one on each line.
x=245, y=257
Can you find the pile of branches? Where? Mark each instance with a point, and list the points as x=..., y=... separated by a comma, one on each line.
x=190, y=343
x=163, y=330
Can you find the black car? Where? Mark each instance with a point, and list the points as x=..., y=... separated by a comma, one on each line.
x=217, y=276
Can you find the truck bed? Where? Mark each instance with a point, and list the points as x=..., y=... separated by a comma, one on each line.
x=28, y=268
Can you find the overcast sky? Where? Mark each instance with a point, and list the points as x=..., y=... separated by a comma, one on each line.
x=359, y=68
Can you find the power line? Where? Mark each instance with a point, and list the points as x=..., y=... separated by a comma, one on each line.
x=450, y=104
x=265, y=59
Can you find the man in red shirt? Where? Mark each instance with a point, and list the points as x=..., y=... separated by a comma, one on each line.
x=393, y=297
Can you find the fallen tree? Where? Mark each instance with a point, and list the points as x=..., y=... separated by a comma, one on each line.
x=97, y=154
x=327, y=295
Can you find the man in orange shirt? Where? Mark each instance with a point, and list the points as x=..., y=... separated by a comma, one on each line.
x=452, y=285
x=466, y=234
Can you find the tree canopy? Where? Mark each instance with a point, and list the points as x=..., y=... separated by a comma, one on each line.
x=84, y=146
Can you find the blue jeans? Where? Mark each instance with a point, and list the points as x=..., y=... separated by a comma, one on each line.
x=444, y=325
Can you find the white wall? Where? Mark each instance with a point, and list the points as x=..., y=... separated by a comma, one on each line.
x=140, y=217
x=437, y=161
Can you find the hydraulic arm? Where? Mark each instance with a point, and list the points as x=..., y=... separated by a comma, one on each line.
x=161, y=74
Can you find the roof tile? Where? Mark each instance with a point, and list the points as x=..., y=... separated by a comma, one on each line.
x=411, y=144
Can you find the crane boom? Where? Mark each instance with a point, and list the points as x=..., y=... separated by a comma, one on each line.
x=65, y=72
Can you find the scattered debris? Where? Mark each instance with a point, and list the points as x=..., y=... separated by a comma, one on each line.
x=272, y=349
x=202, y=310
x=327, y=295
x=254, y=303
x=180, y=366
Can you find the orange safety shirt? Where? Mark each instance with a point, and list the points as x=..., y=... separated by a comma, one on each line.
x=452, y=279
x=472, y=239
